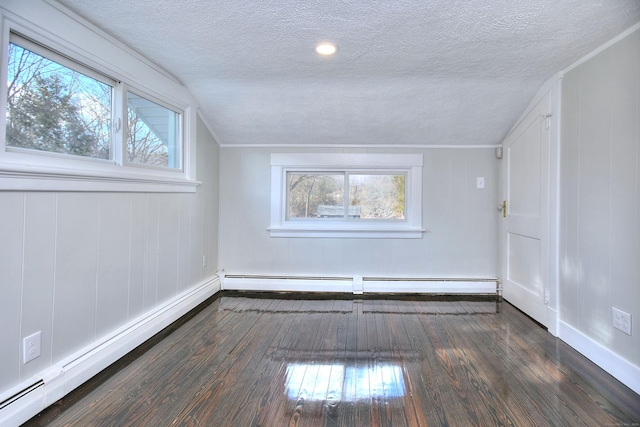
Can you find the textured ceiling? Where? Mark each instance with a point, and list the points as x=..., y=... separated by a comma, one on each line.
x=407, y=72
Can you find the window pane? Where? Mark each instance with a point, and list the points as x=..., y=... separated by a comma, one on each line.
x=153, y=137
x=315, y=195
x=377, y=196
x=53, y=108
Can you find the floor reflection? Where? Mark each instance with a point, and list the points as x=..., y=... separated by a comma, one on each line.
x=344, y=383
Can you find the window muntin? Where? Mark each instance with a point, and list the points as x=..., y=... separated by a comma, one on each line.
x=55, y=105
x=369, y=196
x=153, y=133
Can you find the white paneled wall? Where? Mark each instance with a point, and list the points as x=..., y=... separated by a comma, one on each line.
x=600, y=197
x=12, y=237
x=79, y=265
x=462, y=223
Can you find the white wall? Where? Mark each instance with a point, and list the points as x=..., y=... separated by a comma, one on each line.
x=77, y=266
x=462, y=222
x=600, y=200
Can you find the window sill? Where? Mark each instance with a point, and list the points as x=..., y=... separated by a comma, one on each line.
x=14, y=178
x=364, y=232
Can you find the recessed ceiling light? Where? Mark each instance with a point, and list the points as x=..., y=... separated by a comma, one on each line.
x=326, y=49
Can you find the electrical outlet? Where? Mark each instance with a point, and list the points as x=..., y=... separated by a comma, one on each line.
x=621, y=320
x=31, y=347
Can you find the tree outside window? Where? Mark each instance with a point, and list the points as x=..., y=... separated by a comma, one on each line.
x=53, y=108
x=369, y=196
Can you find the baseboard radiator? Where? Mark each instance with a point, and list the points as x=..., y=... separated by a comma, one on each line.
x=359, y=285
x=30, y=397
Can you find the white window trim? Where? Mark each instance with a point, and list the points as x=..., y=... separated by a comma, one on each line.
x=411, y=164
x=27, y=170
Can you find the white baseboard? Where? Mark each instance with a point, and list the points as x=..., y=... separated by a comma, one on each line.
x=66, y=375
x=357, y=284
x=553, y=326
x=620, y=368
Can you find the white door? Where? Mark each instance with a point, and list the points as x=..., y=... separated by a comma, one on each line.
x=525, y=224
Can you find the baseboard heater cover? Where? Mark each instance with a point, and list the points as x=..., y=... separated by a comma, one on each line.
x=430, y=285
x=22, y=404
x=360, y=284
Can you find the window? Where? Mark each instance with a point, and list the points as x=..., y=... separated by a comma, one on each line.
x=153, y=134
x=369, y=196
x=53, y=107
x=72, y=127
x=343, y=195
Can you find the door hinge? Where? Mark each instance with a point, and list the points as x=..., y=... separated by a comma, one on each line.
x=547, y=121
x=546, y=295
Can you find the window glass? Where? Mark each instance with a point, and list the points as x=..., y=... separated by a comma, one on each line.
x=370, y=196
x=315, y=195
x=346, y=195
x=153, y=136
x=54, y=108
x=377, y=196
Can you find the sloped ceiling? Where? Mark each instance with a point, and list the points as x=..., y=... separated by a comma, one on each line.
x=407, y=72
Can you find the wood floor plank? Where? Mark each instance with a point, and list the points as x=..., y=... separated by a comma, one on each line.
x=347, y=406
x=363, y=401
x=285, y=361
x=472, y=365
x=273, y=404
x=231, y=375
x=495, y=383
x=391, y=404
x=303, y=404
x=243, y=398
x=402, y=351
x=426, y=378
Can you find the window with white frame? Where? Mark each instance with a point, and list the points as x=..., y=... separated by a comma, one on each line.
x=67, y=120
x=55, y=105
x=346, y=195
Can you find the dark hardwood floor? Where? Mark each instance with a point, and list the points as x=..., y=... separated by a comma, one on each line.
x=244, y=361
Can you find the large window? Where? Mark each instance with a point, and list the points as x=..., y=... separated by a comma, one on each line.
x=56, y=105
x=53, y=107
x=75, y=124
x=340, y=195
